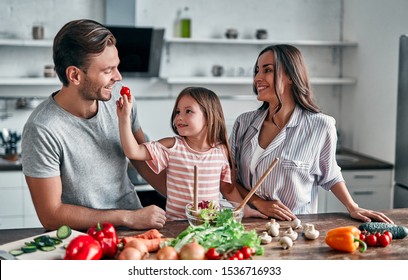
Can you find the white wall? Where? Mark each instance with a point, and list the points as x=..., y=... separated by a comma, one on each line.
x=369, y=108
x=16, y=20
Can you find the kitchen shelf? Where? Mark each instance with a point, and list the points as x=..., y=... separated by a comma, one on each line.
x=261, y=42
x=175, y=80
x=248, y=81
x=26, y=42
x=4, y=81
x=29, y=81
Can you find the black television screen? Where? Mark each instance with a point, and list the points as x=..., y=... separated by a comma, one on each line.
x=139, y=50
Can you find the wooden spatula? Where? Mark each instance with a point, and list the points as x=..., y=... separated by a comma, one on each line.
x=253, y=190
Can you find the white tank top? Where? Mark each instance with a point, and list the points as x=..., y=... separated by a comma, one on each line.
x=257, y=153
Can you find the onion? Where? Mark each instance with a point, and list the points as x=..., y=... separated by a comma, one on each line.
x=167, y=253
x=138, y=245
x=192, y=251
x=130, y=253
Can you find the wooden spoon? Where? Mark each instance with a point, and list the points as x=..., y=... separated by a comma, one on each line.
x=253, y=190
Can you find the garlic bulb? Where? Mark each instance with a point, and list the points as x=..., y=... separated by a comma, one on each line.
x=310, y=232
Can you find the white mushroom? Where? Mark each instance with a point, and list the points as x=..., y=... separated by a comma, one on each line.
x=286, y=242
x=291, y=233
x=273, y=230
x=272, y=222
x=310, y=232
x=265, y=238
x=296, y=224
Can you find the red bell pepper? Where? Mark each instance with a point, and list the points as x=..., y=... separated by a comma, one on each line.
x=83, y=247
x=107, y=237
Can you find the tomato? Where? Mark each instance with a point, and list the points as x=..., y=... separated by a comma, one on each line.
x=378, y=234
x=362, y=237
x=212, y=254
x=371, y=240
x=246, y=251
x=125, y=91
x=384, y=240
x=239, y=255
x=388, y=233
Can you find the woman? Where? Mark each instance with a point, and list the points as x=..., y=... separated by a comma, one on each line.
x=288, y=126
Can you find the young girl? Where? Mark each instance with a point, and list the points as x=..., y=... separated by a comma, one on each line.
x=201, y=141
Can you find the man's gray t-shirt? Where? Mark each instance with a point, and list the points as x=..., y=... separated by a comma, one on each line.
x=86, y=153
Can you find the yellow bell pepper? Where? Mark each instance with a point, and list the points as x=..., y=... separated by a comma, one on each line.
x=345, y=239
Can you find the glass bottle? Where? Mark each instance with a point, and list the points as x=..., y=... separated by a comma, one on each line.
x=185, y=24
x=177, y=24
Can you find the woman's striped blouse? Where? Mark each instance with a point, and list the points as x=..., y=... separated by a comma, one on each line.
x=306, y=147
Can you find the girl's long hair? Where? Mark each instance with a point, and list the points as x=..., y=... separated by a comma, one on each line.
x=211, y=107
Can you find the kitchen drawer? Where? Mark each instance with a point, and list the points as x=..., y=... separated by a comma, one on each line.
x=11, y=179
x=369, y=197
x=11, y=202
x=367, y=177
x=28, y=203
x=32, y=222
x=11, y=222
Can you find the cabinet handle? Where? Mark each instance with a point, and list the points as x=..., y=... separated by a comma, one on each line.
x=363, y=192
x=363, y=176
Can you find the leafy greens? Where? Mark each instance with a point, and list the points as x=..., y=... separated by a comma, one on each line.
x=226, y=235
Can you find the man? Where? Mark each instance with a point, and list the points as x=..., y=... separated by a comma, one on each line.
x=71, y=153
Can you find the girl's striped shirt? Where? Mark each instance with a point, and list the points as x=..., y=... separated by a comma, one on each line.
x=179, y=162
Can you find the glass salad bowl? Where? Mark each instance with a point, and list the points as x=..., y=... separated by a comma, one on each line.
x=208, y=211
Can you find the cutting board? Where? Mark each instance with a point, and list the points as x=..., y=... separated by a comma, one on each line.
x=57, y=254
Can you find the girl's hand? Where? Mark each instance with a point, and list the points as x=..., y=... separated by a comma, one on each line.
x=124, y=106
x=274, y=209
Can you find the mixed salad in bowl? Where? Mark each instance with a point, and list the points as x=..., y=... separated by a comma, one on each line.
x=210, y=212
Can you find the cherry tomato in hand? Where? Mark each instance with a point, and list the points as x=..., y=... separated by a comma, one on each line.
x=384, y=240
x=125, y=91
x=371, y=240
x=212, y=254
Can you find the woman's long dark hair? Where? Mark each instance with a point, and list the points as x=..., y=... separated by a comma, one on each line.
x=290, y=59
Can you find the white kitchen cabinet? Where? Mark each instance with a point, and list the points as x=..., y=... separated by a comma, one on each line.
x=16, y=207
x=370, y=189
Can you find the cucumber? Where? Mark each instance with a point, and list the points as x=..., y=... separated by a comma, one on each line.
x=398, y=232
x=47, y=248
x=29, y=248
x=16, y=252
x=63, y=232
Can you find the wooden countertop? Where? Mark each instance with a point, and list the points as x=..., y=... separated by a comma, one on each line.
x=302, y=249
